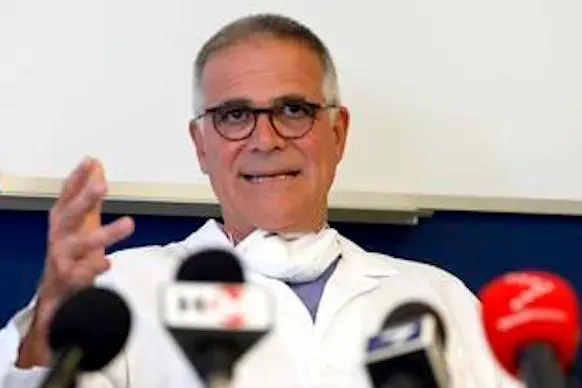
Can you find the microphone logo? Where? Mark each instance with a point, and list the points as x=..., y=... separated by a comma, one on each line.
x=395, y=335
x=524, y=307
x=216, y=305
x=537, y=287
x=227, y=298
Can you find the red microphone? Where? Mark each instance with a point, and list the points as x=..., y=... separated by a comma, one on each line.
x=531, y=320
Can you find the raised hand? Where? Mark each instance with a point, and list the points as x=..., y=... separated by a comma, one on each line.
x=76, y=244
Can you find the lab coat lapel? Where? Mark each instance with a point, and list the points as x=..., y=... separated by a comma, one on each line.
x=354, y=276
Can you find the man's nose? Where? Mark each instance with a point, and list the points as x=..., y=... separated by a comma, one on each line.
x=265, y=137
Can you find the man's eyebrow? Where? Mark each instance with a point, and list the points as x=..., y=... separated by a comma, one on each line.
x=234, y=102
x=244, y=102
x=289, y=97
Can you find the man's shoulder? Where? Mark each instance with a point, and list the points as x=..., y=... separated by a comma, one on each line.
x=164, y=256
x=384, y=263
x=147, y=263
x=150, y=253
x=381, y=264
x=413, y=266
x=139, y=273
x=439, y=278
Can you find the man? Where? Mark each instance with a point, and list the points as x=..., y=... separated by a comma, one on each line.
x=269, y=131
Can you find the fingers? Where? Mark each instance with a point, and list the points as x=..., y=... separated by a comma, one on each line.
x=78, y=259
x=103, y=237
x=75, y=181
x=83, y=209
x=77, y=246
x=79, y=209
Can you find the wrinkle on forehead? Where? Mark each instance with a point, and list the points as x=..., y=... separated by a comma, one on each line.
x=262, y=70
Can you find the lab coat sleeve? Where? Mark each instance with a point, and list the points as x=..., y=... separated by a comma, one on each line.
x=10, y=339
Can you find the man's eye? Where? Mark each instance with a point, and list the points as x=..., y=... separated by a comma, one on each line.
x=296, y=110
x=233, y=115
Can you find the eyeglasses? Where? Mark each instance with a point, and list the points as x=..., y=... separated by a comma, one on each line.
x=290, y=119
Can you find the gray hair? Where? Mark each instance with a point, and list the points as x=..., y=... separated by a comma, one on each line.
x=270, y=25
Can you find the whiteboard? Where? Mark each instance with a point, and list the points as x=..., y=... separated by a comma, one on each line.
x=448, y=98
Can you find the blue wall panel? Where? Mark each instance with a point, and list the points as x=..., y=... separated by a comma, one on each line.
x=474, y=246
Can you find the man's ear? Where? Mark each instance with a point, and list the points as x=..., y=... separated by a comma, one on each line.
x=198, y=139
x=340, y=125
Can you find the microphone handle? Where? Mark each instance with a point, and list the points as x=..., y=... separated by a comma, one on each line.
x=63, y=374
x=402, y=380
x=218, y=380
x=573, y=382
x=539, y=367
x=221, y=372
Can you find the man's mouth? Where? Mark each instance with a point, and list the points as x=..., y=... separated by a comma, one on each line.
x=269, y=177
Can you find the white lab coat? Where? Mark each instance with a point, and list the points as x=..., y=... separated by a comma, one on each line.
x=364, y=288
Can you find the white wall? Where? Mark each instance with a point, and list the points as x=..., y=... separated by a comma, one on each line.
x=452, y=97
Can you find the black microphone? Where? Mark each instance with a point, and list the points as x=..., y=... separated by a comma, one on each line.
x=215, y=317
x=409, y=351
x=87, y=331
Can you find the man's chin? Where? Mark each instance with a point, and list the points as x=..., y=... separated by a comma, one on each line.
x=280, y=220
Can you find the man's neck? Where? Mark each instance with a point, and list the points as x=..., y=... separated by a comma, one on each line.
x=236, y=235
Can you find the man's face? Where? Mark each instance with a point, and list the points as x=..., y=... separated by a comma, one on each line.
x=267, y=181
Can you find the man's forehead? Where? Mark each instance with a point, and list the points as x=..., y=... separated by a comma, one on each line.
x=262, y=72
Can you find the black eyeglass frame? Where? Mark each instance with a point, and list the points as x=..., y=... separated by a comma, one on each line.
x=270, y=111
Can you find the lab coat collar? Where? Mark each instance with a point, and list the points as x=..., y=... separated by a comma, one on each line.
x=359, y=262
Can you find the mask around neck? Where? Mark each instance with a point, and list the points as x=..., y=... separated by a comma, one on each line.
x=294, y=258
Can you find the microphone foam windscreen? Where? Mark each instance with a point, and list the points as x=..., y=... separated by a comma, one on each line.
x=211, y=265
x=414, y=310
x=521, y=308
x=94, y=319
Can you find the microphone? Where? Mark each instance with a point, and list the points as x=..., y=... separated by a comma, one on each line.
x=531, y=320
x=213, y=315
x=408, y=352
x=87, y=331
